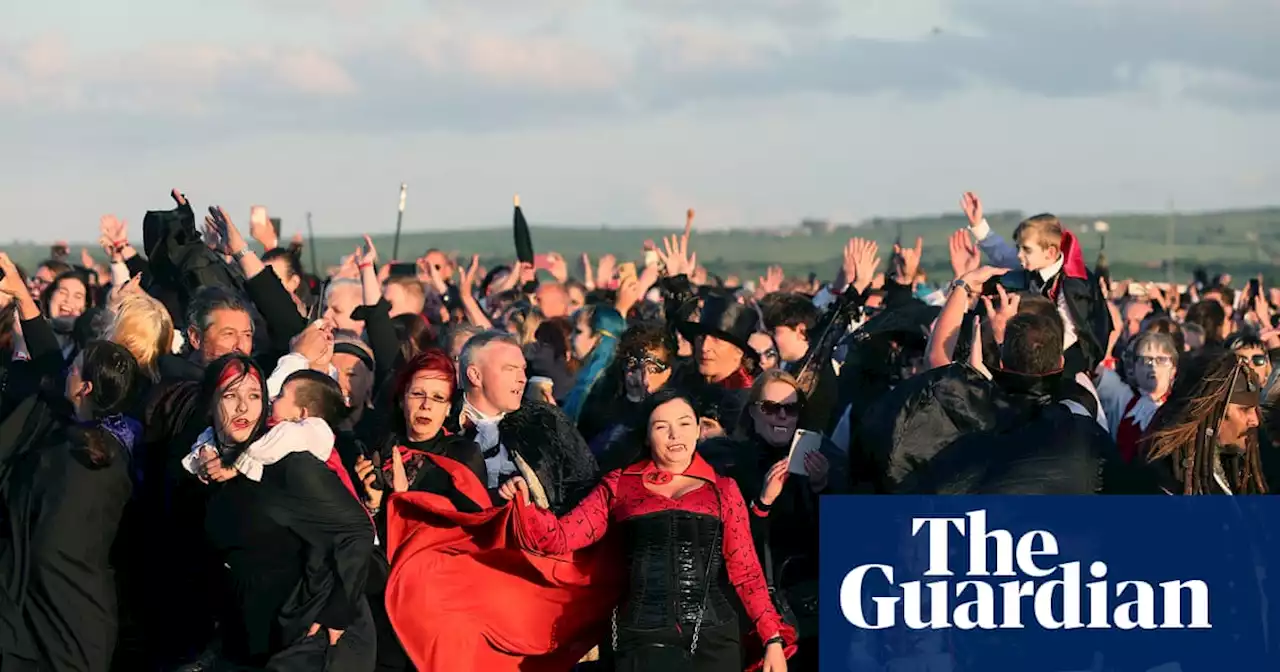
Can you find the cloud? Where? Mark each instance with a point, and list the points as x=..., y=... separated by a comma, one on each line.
x=556, y=65
x=508, y=66
x=785, y=12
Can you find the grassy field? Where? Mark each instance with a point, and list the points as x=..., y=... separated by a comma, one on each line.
x=1242, y=242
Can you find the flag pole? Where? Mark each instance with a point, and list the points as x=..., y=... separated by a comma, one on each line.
x=311, y=243
x=395, y=247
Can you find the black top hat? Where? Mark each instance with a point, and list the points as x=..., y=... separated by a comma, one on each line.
x=724, y=318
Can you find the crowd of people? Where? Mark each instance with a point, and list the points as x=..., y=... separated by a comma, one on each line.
x=212, y=460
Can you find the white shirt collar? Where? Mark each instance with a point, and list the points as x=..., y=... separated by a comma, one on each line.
x=473, y=414
x=1049, y=271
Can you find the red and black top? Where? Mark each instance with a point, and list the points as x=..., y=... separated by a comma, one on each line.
x=622, y=495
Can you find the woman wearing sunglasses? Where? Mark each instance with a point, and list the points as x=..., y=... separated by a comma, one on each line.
x=785, y=505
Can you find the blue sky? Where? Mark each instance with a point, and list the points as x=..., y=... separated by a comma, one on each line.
x=755, y=112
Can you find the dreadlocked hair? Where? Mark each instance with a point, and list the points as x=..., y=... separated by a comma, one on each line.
x=1184, y=429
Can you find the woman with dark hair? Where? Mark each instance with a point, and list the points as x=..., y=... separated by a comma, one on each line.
x=293, y=539
x=65, y=299
x=689, y=552
x=64, y=483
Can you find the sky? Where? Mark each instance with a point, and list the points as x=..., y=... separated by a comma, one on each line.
x=626, y=112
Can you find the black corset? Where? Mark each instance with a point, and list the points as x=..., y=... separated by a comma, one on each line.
x=668, y=554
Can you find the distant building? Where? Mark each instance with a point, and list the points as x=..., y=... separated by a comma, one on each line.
x=817, y=226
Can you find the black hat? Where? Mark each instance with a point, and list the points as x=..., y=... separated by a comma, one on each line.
x=724, y=318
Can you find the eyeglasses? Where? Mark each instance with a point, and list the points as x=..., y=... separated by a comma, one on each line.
x=771, y=353
x=416, y=399
x=1157, y=361
x=651, y=365
x=1255, y=360
x=779, y=409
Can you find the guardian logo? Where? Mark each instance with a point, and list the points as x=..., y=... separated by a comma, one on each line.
x=1026, y=587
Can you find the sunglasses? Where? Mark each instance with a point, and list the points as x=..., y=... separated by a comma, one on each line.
x=771, y=353
x=777, y=409
x=651, y=365
x=1255, y=360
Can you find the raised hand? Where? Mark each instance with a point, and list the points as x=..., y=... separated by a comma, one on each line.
x=979, y=277
x=1001, y=311
x=629, y=293
x=11, y=283
x=349, y=267
x=113, y=237
x=1116, y=321
x=648, y=278
x=467, y=278
x=972, y=207
x=315, y=343
x=588, y=272
x=368, y=254
x=964, y=253
x=234, y=242
x=771, y=282
x=260, y=228
x=861, y=261
x=605, y=270
x=908, y=261
x=557, y=267
x=676, y=257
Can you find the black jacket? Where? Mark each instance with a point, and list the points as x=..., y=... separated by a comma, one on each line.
x=295, y=548
x=61, y=511
x=950, y=430
x=547, y=439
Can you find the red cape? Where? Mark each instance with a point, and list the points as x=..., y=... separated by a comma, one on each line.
x=1073, y=259
x=464, y=594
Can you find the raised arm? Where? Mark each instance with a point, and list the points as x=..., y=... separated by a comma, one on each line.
x=998, y=250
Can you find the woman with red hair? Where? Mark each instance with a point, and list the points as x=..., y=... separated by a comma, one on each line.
x=421, y=395
x=416, y=454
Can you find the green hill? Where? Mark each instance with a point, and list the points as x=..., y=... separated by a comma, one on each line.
x=1243, y=242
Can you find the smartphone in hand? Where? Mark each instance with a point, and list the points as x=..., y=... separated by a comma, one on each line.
x=803, y=443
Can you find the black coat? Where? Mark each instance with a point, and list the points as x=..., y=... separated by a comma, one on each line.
x=60, y=515
x=950, y=430
x=547, y=439
x=295, y=548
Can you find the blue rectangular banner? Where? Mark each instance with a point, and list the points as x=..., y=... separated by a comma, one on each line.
x=1050, y=584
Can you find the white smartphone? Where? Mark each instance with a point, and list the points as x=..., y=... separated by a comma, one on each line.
x=802, y=444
